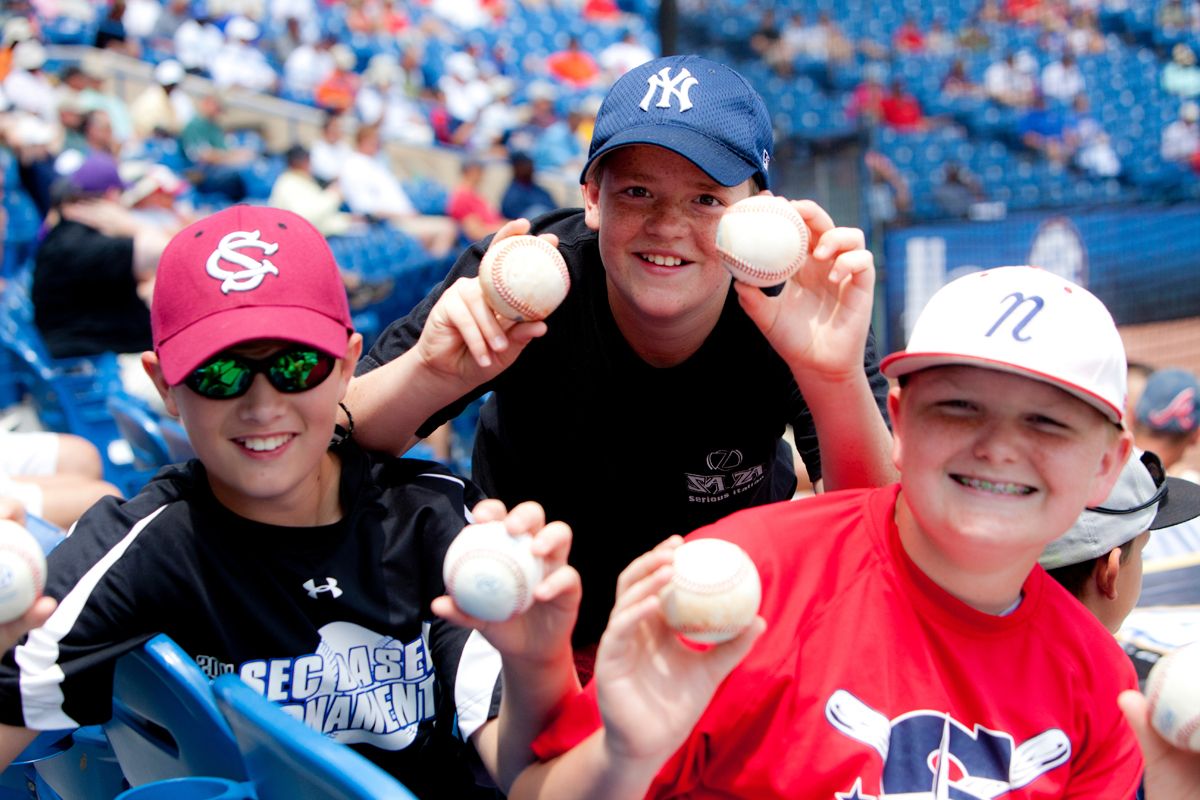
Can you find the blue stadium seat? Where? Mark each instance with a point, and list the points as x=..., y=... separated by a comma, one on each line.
x=141, y=429
x=165, y=722
x=287, y=760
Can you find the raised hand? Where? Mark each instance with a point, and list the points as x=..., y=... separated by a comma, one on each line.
x=652, y=687
x=818, y=323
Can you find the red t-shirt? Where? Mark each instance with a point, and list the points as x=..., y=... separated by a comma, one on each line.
x=870, y=675
x=464, y=202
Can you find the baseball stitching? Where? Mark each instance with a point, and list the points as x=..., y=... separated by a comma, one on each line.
x=505, y=291
x=39, y=579
x=522, y=593
x=770, y=275
x=1184, y=731
x=681, y=582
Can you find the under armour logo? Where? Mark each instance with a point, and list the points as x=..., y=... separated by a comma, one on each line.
x=252, y=270
x=1181, y=408
x=1020, y=300
x=315, y=591
x=677, y=87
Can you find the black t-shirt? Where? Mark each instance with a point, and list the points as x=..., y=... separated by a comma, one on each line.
x=331, y=622
x=625, y=452
x=85, y=295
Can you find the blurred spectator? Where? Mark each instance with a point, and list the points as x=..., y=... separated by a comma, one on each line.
x=198, y=42
x=163, y=108
x=372, y=189
x=838, y=48
x=496, y=121
x=88, y=270
x=972, y=37
x=465, y=92
x=1180, y=77
x=35, y=144
x=889, y=198
x=307, y=66
x=1094, y=153
x=939, y=41
x=329, y=153
x=573, y=65
x=1042, y=129
x=623, y=55
x=1008, y=84
x=1181, y=139
x=383, y=101
x=866, y=100
x=902, y=110
x=239, y=62
x=957, y=192
x=545, y=136
x=1023, y=12
x=767, y=41
x=98, y=133
x=296, y=190
x=524, y=197
x=174, y=13
x=908, y=37
x=205, y=145
x=958, y=83
x=337, y=90
x=475, y=215
x=15, y=31
x=1172, y=18
x=55, y=476
x=1167, y=420
x=87, y=84
x=1083, y=34
x=110, y=31
x=27, y=87
x=1062, y=80
x=140, y=18
x=152, y=196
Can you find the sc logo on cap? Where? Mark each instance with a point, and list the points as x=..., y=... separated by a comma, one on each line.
x=252, y=271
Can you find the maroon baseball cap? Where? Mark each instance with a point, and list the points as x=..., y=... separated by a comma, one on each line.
x=246, y=273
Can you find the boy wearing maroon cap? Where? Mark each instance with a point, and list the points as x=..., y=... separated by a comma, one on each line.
x=304, y=566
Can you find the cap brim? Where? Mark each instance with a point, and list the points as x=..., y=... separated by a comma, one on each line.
x=187, y=349
x=1181, y=504
x=899, y=364
x=714, y=159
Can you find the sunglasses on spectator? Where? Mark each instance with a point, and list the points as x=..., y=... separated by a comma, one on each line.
x=1159, y=473
x=228, y=375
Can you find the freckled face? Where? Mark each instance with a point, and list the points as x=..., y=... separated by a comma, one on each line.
x=657, y=214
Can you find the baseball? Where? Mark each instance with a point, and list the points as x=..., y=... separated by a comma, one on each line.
x=524, y=278
x=490, y=573
x=22, y=570
x=714, y=593
x=1174, y=695
x=763, y=241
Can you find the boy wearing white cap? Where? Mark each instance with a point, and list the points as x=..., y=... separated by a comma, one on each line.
x=914, y=647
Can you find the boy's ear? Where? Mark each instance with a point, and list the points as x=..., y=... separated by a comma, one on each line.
x=154, y=370
x=1108, y=568
x=353, y=350
x=1113, y=461
x=591, y=200
x=893, y=404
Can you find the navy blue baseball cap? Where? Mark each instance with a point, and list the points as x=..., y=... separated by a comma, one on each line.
x=702, y=110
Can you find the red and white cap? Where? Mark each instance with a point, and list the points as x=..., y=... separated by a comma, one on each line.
x=246, y=273
x=1026, y=321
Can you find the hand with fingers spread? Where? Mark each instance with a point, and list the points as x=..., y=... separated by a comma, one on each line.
x=1170, y=772
x=818, y=323
x=652, y=687
x=464, y=339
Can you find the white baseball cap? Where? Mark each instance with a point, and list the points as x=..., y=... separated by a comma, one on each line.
x=1026, y=321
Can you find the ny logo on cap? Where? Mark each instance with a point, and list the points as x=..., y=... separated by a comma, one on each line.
x=1020, y=300
x=252, y=270
x=677, y=87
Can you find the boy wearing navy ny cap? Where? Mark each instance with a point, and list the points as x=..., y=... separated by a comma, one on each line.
x=656, y=385
x=913, y=647
x=305, y=567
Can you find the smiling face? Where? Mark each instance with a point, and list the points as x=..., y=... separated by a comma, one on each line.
x=657, y=215
x=266, y=452
x=994, y=465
